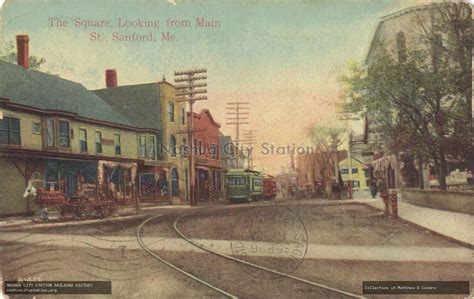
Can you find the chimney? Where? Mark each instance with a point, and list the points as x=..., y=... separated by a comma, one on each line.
x=111, y=78
x=22, y=50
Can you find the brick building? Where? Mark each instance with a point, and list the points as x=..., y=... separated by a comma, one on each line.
x=207, y=161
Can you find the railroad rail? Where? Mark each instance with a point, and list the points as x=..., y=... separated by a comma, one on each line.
x=149, y=251
x=342, y=292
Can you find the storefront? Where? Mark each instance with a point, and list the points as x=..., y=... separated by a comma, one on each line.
x=208, y=182
x=71, y=177
x=116, y=180
x=154, y=181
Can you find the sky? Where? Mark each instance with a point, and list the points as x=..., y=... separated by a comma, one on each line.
x=284, y=57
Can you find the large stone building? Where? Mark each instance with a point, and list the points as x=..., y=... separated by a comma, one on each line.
x=397, y=35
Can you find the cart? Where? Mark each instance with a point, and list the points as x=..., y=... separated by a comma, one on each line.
x=76, y=207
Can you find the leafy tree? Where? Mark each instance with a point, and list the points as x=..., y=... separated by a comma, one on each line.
x=8, y=54
x=421, y=101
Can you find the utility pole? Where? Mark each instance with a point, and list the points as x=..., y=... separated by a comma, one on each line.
x=188, y=92
x=249, y=140
x=238, y=114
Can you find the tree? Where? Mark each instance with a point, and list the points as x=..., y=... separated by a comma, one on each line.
x=326, y=141
x=421, y=100
x=8, y=54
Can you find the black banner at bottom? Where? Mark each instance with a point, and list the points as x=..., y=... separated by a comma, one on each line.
x=415, y=287
x=57, y=287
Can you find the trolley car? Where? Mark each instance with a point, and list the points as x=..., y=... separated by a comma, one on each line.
x=269, y=187
x=244, y=185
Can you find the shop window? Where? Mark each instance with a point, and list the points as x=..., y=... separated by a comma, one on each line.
x=36, y=128
x=174, y=182
x=118, y=148
x=142, y=146
x=10, y=131
x=64, y=137
x=98, y=142
x=50, y=132
x=171, y=111
x=83, y=140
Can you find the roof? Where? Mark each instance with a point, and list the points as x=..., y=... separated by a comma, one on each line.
x=206, y=111
x=49, y=92
x=139, y=103
x=397, y=14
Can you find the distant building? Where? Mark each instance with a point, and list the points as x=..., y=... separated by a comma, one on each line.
x=360, y=174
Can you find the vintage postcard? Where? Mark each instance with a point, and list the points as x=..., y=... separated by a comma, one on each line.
x=236, y=149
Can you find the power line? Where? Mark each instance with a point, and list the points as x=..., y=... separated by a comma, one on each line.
x=188, y=91
x=237, y=115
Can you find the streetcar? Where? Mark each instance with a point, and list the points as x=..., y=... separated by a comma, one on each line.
x=269, y=187
x=244, y=185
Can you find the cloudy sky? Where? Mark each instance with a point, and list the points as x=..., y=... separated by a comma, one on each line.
x=281, y=56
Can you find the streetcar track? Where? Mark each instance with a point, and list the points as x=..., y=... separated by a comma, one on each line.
x=195, y=278
x=240, y=261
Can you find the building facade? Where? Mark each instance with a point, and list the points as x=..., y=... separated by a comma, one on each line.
x=61, y=137
x=207, y=159
x=164, y=173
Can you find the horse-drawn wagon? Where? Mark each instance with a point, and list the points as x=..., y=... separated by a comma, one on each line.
x=76, y=207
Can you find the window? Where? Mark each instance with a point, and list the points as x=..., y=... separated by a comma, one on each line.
x=184, y=148
x=355, y=170
x=83, y=140
x=344, y=171
x=98, y=142
x=183, y=116
x=150, y=146
x=36, y=128
x=171, y=111
x=214, y=151
x=173, y=146
x=355, y=184
x=402, y=47
x=118, y=148
x=50, y=132
x=10, y=131
x=367, y=173
x=142, y=146
x=236, y=181
x=64, y=138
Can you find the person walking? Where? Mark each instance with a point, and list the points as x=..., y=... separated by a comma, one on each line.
x=383, y=189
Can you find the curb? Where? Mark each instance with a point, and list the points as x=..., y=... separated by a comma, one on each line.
x=126, y=216
x=459, y=242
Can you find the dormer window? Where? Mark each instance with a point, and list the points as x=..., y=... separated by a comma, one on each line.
x=402, y=47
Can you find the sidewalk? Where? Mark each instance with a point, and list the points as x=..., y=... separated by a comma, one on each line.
x=123, y=213
x=456, y=226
